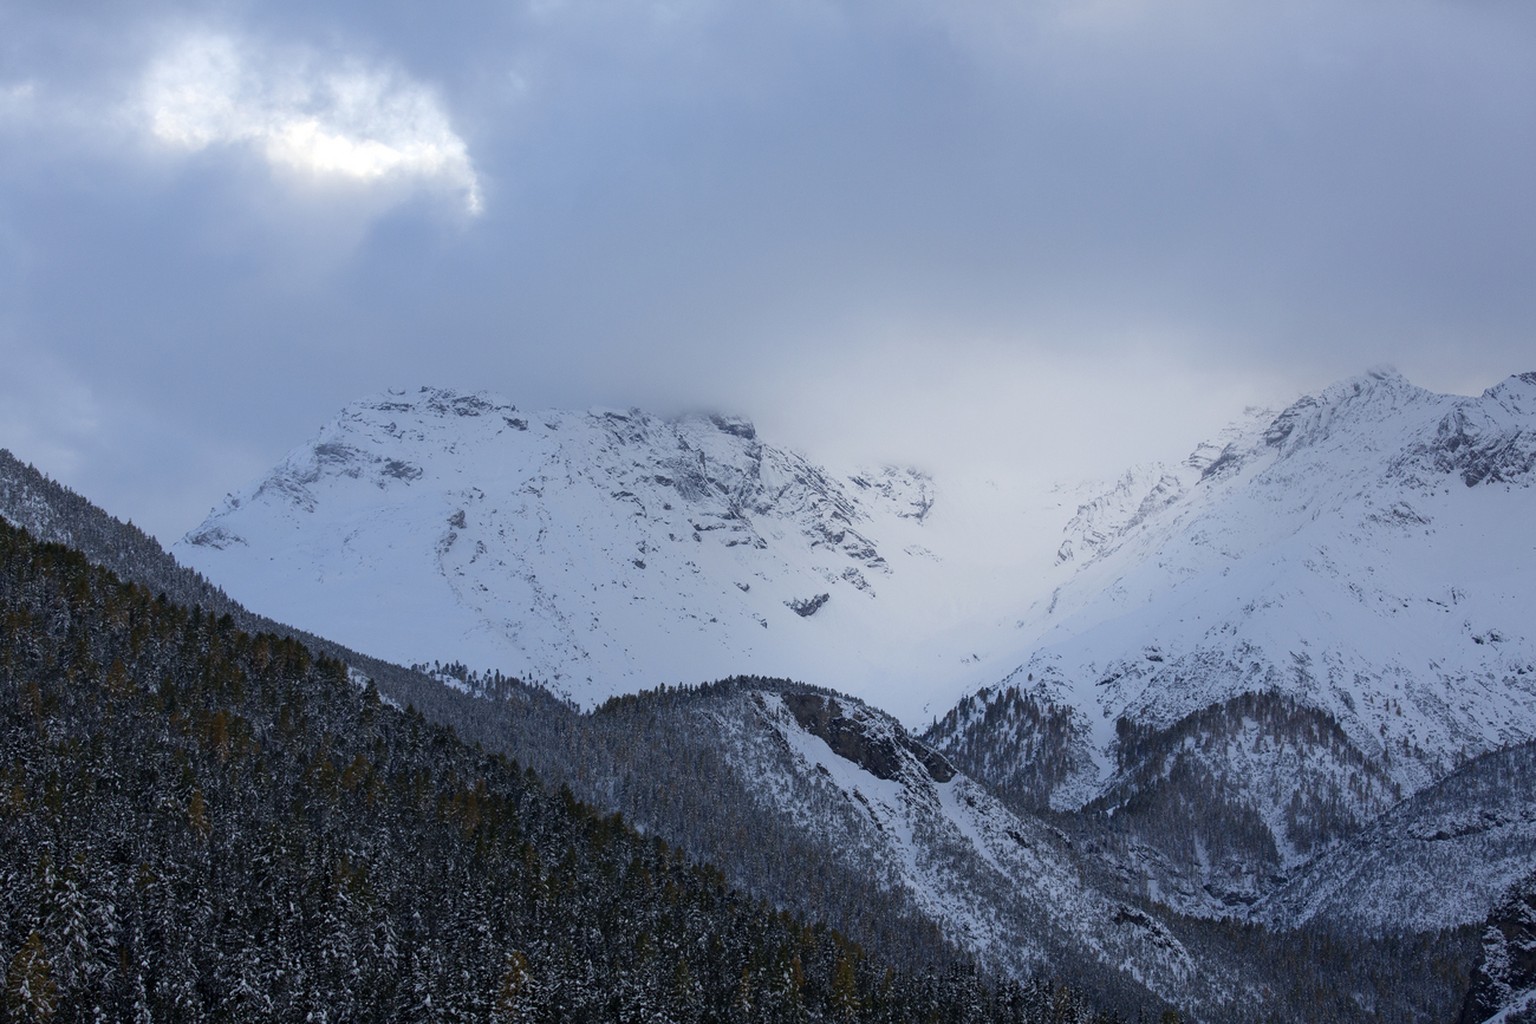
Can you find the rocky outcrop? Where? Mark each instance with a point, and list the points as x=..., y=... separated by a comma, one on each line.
x=1504, y=980
x=805, y=607
x=875, y=749
x=1486, y=440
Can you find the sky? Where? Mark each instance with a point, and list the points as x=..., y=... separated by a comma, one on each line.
x=1035, y=237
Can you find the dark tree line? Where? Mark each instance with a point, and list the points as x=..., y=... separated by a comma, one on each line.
x=1023, y=746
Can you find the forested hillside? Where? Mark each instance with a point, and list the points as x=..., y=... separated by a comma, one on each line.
x=673, y=784
x=200, y=823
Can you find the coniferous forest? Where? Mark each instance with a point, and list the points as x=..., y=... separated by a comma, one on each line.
x=197, y=823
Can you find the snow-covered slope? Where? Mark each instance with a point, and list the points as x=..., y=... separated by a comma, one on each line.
x=599, y=552
x=1024, y=894
x=1368, y=553
x=1008, y=887
x=1440, y=859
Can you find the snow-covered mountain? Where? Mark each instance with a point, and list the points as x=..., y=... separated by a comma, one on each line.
x=1225, y=666
x=1250, y=657
x=819, y=801
x=598, y=552
x=1364, y=553
x=1367, y=553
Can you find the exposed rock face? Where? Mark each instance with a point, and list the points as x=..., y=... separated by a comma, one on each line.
x=1504, y=981
x=805, y=607
x=1489, y=439
x=877, y=752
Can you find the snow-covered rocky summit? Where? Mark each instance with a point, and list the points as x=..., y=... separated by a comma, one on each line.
x=599, y=552
x=1368, y=552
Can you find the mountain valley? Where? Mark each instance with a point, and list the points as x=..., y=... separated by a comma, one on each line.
x=1251, y=741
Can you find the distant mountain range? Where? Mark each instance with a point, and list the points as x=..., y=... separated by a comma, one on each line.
x=1277, y=696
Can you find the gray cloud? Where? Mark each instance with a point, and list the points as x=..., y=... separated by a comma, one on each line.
x=927, y=227
x=315, y=118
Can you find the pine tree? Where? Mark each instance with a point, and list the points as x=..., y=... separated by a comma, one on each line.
x=30, y=992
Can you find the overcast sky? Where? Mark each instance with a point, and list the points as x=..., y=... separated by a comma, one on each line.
x=1051, y=236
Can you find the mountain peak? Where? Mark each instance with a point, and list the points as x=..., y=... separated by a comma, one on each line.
x=1517, y=393
x=1337, y=557
x=435, y=400
x=1374, y=395
x=598, y=550
x=1379, y=382
x=736, y=426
